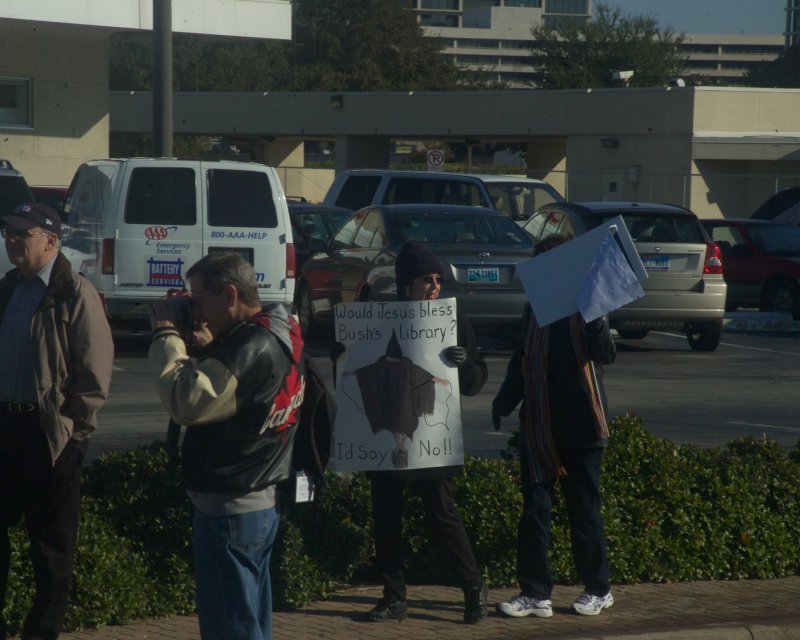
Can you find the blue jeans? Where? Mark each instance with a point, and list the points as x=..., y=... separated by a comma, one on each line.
x=231, y=567
x=581, y=487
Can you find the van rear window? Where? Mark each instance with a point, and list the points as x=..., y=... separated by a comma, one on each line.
x=161, y=195
x=240, y=199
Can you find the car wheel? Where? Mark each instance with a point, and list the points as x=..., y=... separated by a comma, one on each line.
x=632, y=334
x=784, y=295
x=705, y=336
x=305, y=313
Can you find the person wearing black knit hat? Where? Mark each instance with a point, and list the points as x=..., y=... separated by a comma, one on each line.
x=419, y=275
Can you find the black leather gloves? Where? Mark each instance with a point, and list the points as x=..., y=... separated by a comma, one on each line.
x=496, y=419
x=595, y=326
x=337, y=349
x=456, y=355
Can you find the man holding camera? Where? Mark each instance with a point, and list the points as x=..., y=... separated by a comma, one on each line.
x=239, y=399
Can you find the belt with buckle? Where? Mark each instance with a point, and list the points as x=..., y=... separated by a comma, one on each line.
x=14, y=408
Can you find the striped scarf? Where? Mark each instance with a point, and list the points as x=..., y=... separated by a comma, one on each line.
x=537, y=437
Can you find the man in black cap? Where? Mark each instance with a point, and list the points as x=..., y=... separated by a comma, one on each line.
x=54, y=330
x=419, y=274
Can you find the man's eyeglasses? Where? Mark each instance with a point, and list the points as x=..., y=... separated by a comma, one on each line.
x=19, y=234
x=432, y=279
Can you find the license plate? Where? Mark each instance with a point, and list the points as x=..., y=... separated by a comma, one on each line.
x=483, y=274
x=656, y=263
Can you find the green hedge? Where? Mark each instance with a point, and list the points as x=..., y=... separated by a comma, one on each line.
x=672, y=513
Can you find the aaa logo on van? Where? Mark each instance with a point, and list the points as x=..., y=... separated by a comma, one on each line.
x=157, y=233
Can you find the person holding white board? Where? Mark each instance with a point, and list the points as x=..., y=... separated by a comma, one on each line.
x=554, y=373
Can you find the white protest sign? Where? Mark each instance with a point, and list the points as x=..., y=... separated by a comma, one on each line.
x=555, y=280
x=610, y=283
x=398, y=403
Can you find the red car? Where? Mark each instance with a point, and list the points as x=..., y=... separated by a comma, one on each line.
x=762, y=263
x=52, y=196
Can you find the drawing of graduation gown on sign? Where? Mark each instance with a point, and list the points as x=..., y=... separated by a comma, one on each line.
x=396, y=393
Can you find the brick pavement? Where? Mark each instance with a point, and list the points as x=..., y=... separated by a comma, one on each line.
x=724, y=610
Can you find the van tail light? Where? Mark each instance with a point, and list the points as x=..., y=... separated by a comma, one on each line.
x=291, y=263
x=107, y=265
x=713, y=259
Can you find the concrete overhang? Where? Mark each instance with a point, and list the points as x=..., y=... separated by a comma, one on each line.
x=262, y=19
x=474, y=114
x=746, y=147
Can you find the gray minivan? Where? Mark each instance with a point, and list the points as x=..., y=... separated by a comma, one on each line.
x=515, y=196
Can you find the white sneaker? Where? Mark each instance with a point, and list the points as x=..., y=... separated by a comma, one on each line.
x=589, y=605
x=521, y=606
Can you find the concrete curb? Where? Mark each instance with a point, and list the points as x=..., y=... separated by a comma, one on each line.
x=763, y=321
x=784, y=630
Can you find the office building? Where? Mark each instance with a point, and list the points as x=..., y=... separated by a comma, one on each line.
x=494, y=37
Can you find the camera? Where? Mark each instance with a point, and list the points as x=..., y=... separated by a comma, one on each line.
x=184, y=318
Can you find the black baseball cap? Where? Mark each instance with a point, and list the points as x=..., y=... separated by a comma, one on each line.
x=34, y=214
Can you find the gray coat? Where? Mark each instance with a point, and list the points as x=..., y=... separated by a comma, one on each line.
x=73, y=351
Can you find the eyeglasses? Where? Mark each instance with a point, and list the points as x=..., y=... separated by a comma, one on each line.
x=432, y=279
x=19, y=234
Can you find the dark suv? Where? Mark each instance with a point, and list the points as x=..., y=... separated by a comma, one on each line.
x=13, y=192
x=13, y=188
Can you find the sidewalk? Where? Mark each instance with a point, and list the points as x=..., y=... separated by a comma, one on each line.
x=760, y=322
x=740, y=610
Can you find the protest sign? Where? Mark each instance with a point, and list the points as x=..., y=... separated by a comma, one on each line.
x=398, y=399
x=589, y=271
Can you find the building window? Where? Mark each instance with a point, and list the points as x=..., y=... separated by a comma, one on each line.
x=479, y=4
x=447, y=5
x=15, y=102
x=533, y=4
x=438, y=20
x=567, y=6
x=473, y=43
x=560, y=22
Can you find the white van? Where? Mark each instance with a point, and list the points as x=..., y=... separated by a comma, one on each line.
x=134, y=227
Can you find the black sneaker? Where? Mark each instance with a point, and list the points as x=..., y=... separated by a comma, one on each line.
x=476, y=603
x=387, y=610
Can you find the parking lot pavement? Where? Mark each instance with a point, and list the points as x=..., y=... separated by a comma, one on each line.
x=766, y=321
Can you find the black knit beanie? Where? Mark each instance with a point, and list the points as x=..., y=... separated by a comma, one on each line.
x=414, y=260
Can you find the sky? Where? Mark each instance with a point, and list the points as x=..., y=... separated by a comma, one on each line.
x=711, y=16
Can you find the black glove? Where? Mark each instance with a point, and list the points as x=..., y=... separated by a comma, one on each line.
x=595, y=326
x=337, y=349
x=495, y=419
x=171, y=445
x=456, y=355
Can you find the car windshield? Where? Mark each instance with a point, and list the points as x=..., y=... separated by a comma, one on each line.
x=450, y=227
x=519, y=199
x=663, y=228
x=320, y=225
x=778, y=239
